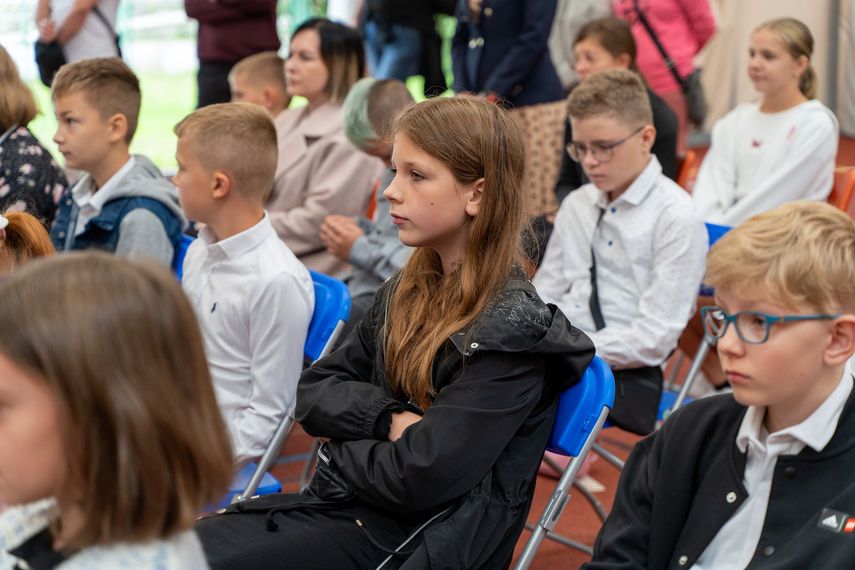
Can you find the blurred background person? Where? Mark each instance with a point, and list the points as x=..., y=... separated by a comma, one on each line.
x=229, y=30
x=30, y=179
x=683, y=27
x=500, y=51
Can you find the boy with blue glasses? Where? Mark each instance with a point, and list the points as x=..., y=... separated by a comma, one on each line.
x=762, y=478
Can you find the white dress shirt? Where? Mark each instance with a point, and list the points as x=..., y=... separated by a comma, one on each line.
x=254, y=301
x=650, y=246
x=736, y=541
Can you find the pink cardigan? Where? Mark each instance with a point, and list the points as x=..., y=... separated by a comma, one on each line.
x=682, y=26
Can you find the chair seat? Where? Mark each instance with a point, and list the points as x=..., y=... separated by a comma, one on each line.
x=269, y=484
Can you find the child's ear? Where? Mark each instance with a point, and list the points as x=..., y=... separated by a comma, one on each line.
x=269, y=96
x=624, y=60
x=802, y=64
x=118, y=127
x=222, y=185
x=473, y=200
x=648, y=137
x=842, y=344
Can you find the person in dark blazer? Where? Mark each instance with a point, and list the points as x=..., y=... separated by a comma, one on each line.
x=500, y=51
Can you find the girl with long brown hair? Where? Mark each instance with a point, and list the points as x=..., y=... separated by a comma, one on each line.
x=435, y=411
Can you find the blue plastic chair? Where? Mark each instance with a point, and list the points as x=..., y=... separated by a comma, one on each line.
x=582, y=410
x=332, y=308
x=178, y=263
x=715, y=232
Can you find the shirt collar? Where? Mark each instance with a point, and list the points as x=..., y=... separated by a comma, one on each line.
x=815, y=432
x=84, y=194
x=640, y=187
x=240, y=243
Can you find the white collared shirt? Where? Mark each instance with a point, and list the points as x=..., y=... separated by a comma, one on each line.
x=736, y=541
x=254, y=301
x=650, y=247
x=91, y=202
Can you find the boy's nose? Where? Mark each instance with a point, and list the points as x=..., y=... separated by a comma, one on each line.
x=730, y=343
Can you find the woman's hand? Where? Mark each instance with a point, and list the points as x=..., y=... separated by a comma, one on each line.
x=400, y=422
x=47, y=32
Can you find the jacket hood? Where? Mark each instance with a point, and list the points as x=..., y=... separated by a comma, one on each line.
x=145, y=181
x=520, y=321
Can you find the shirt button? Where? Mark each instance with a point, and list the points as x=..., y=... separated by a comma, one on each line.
x=62, y=234
x=610, y=242
x=790, y=472
x=473, y=44
x=731, y=497
x=614, y=210
x=473, y=345
x=68, y=202
x=220, y=511
x=769, y=550
x=480, y=42
x=683, y=559
x=488, y=11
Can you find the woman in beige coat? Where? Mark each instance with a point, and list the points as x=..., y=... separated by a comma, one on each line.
x=319, y=172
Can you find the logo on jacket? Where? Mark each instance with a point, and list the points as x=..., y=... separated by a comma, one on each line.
x=835, y=521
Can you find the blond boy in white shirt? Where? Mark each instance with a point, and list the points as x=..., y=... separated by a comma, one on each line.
x=254, y=299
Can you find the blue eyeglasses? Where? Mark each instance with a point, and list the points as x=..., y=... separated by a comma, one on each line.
x=751, y=326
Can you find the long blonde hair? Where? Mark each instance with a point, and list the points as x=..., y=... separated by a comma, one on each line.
x=473, y=139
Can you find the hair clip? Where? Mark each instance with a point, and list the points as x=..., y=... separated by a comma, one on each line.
x=3, y=223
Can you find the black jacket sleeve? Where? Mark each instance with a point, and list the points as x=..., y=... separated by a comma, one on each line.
x=455, y=445
x=336, y=396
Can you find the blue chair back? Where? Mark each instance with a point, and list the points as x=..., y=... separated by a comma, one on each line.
x=580, y=407
x=714, y=231
x=582, y=410
x=178, y=262
x=332, y=308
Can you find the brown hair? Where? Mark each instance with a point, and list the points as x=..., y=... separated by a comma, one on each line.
x=618, y=93
x=262, y=70
x=26, y=238
x=801, y=252
x=117, y=342
x=614, y=35
x=342, y=52
x=107, y=84
x=474, y=139
x=216, y=131
x=17, y=105
x=798, y=41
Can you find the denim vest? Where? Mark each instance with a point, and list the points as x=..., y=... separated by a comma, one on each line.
x=102, y=231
